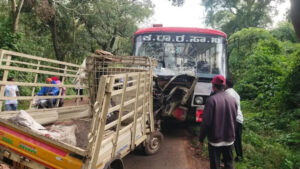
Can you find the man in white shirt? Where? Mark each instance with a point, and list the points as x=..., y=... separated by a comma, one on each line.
x=11, y=91
x=239, y=121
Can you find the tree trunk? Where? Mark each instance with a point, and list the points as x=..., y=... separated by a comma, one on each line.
x=16, y=10
x=58, y=53
x=295, y=15
x=112, y=41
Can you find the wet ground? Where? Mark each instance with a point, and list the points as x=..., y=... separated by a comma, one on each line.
x=176, y=153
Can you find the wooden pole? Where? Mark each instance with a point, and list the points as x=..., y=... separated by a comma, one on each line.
x=135, y=113
x=35, y=80
x=144, y=105
x=4, y=79
x=115, y=143
x=96, y=147
x=61, y=88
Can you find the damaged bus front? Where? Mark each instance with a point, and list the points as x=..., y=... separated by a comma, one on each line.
x=188, y=59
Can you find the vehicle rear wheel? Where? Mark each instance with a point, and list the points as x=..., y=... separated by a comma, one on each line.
x=153, y=143
x=116, y=164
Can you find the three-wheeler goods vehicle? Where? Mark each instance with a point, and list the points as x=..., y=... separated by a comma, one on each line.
x=113, y=118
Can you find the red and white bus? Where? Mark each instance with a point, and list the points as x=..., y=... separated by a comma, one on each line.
x=185, y=51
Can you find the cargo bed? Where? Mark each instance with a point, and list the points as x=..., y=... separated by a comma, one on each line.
x=118, y=87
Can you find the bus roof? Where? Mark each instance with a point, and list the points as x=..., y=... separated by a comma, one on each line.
x=180, y=30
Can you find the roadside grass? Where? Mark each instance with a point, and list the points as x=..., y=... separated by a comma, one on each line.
x=270, y=139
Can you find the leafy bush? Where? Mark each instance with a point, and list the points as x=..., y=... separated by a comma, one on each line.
x=266, y=68
x=292, y=83
x=266, y=142
x=285, y=32
x=8, y=40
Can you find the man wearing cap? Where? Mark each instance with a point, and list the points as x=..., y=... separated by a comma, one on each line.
x=218, y=124
x=48, y=91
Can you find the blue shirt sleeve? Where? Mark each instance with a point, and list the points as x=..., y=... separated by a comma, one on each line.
x=41, y=92
x=54, y=90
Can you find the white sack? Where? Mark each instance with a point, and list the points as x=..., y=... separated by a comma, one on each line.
x=24, y=119
x=66, y=133
x=58, y=132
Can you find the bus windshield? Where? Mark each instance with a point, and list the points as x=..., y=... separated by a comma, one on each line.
x=203, y=56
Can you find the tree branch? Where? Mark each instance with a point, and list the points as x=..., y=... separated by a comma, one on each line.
x=16, y=10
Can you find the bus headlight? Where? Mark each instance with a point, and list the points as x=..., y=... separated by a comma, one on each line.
x=198, y=100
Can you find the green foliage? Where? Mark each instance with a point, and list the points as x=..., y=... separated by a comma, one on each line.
x=285, y=32
x=261, y=66
x=233, y=15
x=292, y=82
x=70, y=30
x=116, y=23
x=8, y=40
x=267, y=143
x=266, y=68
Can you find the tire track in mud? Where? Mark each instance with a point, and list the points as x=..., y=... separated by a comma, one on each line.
x=175, y=153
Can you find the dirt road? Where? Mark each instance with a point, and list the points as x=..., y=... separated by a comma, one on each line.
x=176, y=153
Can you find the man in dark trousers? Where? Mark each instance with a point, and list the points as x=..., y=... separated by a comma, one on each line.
x=239, y=121
x=218, y=124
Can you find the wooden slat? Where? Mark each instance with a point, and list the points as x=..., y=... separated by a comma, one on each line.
x=35, y=71
x=59, y=109
x=95, y=147
x=126, y=103
x=4, y=79
x=144, y=109
x=35, y=80
x=61, y=89
x=132, y=147
x=117, y=92
x=118, y=76
x=39, y=97
x=119, y=84
x=113, y=123
x=36, y=84
x=115, y=143
x=96, y=112
x=38, y=65
x=1, y=56
x=39, y=58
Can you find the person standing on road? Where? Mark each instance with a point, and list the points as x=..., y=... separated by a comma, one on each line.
x=218, y=124
x=239, y=121
x=11, y=91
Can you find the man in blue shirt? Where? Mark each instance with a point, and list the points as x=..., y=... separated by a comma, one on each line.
x=48, y=91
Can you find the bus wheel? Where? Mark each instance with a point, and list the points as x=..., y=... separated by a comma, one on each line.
x=153, y=143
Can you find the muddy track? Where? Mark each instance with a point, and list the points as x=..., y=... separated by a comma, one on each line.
x=176, y=153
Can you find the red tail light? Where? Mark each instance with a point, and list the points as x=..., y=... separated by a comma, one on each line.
x=199, y=113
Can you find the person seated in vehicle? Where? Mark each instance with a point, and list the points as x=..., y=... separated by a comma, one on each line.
x=48, y=91
x=63, y=91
